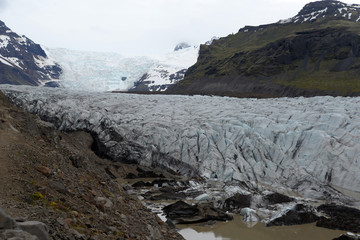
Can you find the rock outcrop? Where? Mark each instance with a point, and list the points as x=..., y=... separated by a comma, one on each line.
x=24, y=62
x=181, y=212
x=28, y=230
x=340, y=217
x=299, y=214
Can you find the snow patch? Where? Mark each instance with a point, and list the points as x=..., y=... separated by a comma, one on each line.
x=22, y=40
x=15, y=61
x=5, y=62
x=4, y=41
x=284, y=21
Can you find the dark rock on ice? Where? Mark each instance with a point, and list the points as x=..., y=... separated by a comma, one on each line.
x=339, y=217
x=346, y=237
x=275, y=198
x=237, y=202
x=299, y=214
x=181, y=212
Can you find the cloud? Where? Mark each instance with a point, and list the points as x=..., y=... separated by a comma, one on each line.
x=138, y=26
x=3, y=5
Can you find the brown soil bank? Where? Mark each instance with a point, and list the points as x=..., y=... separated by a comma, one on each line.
x=54, y=177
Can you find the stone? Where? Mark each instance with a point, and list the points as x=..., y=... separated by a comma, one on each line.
x=299, y=214
x=181, y=212
x=77, y=234
x=339, y=217
x=275, y=198
x=38, y=229
x=58, y=186
x=16, y=234
x=103, y=203
x=141, y=184
x=237, y=202
x=44, y=170
x=346, y=237
x=6, y=222
x=69, y=222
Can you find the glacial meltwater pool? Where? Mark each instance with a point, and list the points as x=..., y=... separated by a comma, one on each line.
x=237, y=229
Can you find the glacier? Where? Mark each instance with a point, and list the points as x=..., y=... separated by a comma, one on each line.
x=105, y=71
x=308, y=145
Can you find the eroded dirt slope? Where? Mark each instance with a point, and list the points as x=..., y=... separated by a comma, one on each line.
x=54, y=177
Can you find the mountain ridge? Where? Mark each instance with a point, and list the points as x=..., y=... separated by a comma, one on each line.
x=24, y=62
x=319, y=56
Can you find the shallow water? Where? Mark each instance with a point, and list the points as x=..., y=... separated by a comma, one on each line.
x=237, y=229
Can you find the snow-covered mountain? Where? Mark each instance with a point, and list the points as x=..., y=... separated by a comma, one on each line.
x=322, y=9
x=309, y=145
x=96, y=71
x=170, y=70
x=24, y=62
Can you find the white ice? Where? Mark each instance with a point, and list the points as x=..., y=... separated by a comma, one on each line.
x=306, y=144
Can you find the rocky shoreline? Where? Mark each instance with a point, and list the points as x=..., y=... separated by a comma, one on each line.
x=195, y=201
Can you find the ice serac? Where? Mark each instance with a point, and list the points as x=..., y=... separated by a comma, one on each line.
x=306, y=144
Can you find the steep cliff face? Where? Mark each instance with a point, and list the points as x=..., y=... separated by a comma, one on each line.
x=24, y=62
x=313, y=53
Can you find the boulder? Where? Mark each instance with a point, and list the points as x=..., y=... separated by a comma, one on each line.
x=168, y=193
x=237, y=202
x=299, y=214
x=35, y=228
x=181, y=212
x=103, y=203
x=339, y=217
x=16, y=234
x=141, y=184
x=346, y=237
x=144, y=174
x=44, y=170
x=6, y=222
x=275, y=198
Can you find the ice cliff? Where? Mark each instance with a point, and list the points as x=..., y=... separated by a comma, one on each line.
x=306, y=144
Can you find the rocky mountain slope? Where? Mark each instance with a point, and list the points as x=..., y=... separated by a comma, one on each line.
x=54, y=177
x=313, y=53
x=171, y=70
x=306, y=145
x=24, y=62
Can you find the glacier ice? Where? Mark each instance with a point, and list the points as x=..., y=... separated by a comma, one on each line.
x=307, y=144
x=98, y=71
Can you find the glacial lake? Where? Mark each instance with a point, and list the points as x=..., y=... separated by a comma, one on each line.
x=237, y=229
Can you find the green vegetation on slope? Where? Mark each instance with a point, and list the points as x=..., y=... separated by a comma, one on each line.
x=322, y=56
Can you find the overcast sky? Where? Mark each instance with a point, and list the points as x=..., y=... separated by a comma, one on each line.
x=137, y=27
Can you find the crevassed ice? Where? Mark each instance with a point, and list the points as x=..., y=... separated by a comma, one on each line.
x=93, y=71
x=301, y=143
